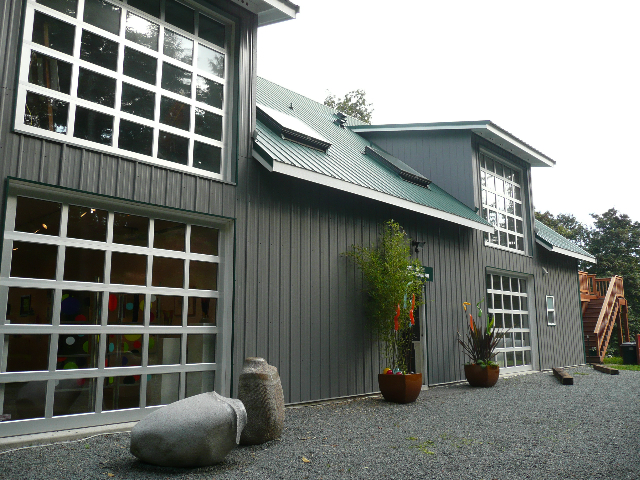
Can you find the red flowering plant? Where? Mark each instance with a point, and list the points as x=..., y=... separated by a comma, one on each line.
x=394, y=284
x=481, y=342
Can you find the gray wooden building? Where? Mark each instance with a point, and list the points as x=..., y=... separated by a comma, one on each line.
x=156, y=233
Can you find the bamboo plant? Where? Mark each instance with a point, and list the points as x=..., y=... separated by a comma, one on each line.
x=394, y=283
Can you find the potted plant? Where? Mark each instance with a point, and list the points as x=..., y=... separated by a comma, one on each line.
x=480, y=345
x=394, y=286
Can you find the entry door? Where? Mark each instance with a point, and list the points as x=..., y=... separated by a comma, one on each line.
x=508, y=301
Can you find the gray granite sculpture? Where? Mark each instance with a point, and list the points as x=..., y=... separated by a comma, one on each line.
x=194, y=432
x=260, y=391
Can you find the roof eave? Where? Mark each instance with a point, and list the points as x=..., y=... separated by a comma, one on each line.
x=273, y=165
x=562, y=251
x=270, y=11
x=484, y=128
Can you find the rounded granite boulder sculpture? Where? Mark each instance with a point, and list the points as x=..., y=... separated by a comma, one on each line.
x=260, y=391
x=195, y=432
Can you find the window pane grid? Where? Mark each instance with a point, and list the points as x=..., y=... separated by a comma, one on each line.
x=109, y=137
x=503, y=293
x=86, y=363
x=502, y=203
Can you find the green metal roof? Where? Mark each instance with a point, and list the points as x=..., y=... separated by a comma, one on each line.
x=344, y=165
x=553, y=241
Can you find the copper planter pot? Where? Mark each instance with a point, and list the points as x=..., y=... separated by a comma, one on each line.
x=478, y=376
x=400, y=388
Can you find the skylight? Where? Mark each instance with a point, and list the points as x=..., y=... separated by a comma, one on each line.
x=292, y=129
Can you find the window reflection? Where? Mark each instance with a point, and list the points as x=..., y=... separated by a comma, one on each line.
x=173, y=148
x=23, y=400
x=201, y=348
x=198, y=382
x=96, y=88
x=99, y=50
x=68, y=7
x=74, y=396
x=174, y=113
x=135, y=137
x=208, y=124
x=164, y=349
x=203, y=275
x=178, y=47
x=142, y=31
x=163, y=389
x=179, y=15
x=52, y=33
x=176, y=80
x=50, y=72
x=209, y=92
x=46, y=113
x=207, y=157
x=140, y=65
x=93, y=126
x=210, y=61
x=211, y=31
x=102, y=15
x=137, y=101
x=84, y=265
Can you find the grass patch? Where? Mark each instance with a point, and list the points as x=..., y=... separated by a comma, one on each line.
x=616, y=362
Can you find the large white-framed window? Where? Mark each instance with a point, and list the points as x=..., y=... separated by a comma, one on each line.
x=508, y=303
x=145, y=79
x=551, y=310
x=502, y=201
x=112, y=309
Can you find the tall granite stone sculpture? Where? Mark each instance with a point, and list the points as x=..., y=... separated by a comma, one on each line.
x=195, y=432
x=261, y=393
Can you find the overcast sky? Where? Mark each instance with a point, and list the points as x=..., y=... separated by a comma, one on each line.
x=561, y=76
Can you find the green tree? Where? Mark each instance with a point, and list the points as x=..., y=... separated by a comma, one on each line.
x=354, y=104
x=566, y=225
x=615, y=242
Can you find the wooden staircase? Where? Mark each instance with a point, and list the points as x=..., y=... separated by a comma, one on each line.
x=603, y=305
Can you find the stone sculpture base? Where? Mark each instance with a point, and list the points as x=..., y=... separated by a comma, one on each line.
x=195, y=432
x=261, y=393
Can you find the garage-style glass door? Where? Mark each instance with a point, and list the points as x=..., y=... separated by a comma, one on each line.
x=508, y=302
x=111, y=310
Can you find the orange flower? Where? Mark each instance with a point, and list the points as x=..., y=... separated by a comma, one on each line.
x=471, y=323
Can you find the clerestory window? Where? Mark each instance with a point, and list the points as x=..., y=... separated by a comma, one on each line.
x=146, y=79
x=502, y=202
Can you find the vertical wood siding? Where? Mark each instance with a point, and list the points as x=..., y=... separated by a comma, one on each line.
x=298, y=301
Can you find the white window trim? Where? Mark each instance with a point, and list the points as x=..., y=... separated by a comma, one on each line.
x=223, y=328
x=523, y=235
x=551, y=310
x=533, y=336
x=226, y=112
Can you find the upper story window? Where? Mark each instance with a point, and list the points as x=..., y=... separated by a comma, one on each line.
x=502, y=202
x=145, y=79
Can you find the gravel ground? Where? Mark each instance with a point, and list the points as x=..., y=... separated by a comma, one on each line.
x=527, y=426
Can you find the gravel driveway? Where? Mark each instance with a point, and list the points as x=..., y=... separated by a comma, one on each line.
x=527, y=426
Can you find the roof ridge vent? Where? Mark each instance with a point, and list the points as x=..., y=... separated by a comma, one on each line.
x=341, y=121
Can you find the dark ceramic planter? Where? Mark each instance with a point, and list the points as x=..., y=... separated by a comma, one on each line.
x=400, y=388
x=478, y=376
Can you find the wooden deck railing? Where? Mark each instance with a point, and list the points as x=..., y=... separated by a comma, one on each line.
x=587, y=283
x=610, y=291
